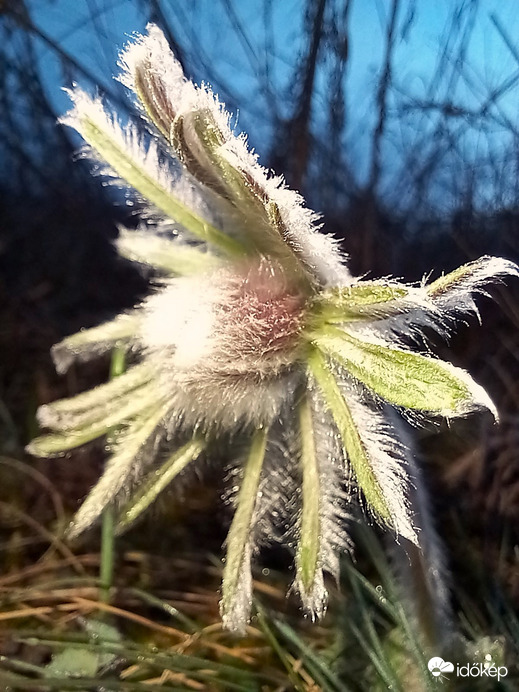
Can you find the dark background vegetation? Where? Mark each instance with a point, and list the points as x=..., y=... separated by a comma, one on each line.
x=432, y=209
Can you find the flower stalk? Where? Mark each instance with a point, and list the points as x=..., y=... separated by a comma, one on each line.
x=106, y=571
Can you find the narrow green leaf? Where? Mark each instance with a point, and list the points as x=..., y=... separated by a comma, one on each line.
x=157, y=481
x=360, y=301
x=242, y=189
x=55, y=444
x=128, y=460
x=89, y=343
x=192, y=152
x=307, y=558
x=198, y=135
x=406, y=379
x=236, y=589
x=365, y=293
x=448, y=281
x=133, y=173
x=356, y=452
x=163, y=254
x=132, y=379
x=152, y=93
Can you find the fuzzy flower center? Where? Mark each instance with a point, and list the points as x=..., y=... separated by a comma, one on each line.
x=225, y=343
x=258, y=327
x=244, y=319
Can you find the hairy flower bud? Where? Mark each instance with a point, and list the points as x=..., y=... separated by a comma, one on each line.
x=259, y=334
x=229, y=343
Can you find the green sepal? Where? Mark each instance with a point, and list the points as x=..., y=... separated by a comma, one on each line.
x=129, y=456
x=92, y=342
x=56, y=444
x=91, y=405
x=447, y=282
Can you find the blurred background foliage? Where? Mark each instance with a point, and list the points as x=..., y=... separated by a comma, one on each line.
x=398, y=120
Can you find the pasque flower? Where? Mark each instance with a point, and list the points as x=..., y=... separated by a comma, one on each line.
x=257, y=339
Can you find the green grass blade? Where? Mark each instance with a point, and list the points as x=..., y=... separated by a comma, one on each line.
x=198, y=667
x=317, y=666
x=295, y=679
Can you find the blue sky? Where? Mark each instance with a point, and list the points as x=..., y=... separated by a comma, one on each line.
x=238, y=60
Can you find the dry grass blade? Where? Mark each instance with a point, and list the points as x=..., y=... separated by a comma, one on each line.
x=56, y=542
x=38, y=477
x=139, y=619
